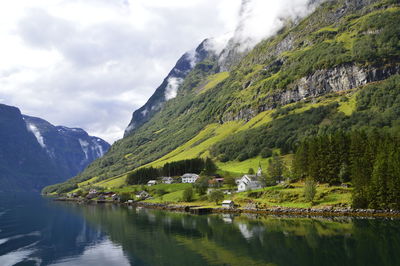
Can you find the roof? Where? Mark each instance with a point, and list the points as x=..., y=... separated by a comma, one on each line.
x=190, y=176
x=227, y=202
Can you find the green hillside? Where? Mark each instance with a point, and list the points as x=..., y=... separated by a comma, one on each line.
x=314, y=77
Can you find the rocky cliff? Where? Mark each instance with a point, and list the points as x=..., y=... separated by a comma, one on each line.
x=34, y=153
x=71, y=149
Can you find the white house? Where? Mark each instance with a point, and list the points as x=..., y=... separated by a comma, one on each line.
x=248, y=182
x=152, y=183
x=167, y=180
x=190, y=178
x=228, y=204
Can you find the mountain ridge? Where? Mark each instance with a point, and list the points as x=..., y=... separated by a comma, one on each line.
x=169, y=87
x=34, y=153
x=321, y=63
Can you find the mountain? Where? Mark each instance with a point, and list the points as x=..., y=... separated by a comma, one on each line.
x=336, y=69
x=34, y=153
x=169, y=87
x=71, y=149
x=23, y=162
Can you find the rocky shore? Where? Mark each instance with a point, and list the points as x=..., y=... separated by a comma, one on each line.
x=325, y=211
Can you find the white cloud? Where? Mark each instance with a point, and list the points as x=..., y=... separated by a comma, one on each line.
x=106, y=251
x=91, y=63
x=260, y=19
x=172, y=88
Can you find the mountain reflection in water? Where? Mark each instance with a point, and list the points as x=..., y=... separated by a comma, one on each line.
x=38, y=231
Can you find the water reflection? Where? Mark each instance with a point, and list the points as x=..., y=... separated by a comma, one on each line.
x=48, y=233
x=105, y=252
x=156, y=237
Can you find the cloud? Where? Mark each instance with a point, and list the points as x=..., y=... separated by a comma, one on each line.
x=257, y=20
x=91, y=63
x=172, y=88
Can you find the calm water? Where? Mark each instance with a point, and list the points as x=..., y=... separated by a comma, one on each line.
x=36, y=231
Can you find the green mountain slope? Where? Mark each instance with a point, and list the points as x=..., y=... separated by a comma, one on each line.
x=312, y=77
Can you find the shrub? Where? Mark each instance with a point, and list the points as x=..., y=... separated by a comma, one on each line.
x=216, y=196
x=310, y=189
x=187, y=195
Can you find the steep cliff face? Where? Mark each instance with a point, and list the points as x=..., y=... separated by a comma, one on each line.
x=34, y=153
x=169, y=87
x=321, y=82
x=71, y=149
x=24, y=165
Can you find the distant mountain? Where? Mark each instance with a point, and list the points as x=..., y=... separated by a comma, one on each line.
x=34, y=153
x=71, y=149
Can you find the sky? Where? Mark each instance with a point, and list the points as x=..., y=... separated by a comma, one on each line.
x=91, y=63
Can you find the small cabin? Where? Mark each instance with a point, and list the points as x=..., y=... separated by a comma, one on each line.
x=152, y=183
x=228, y=204
x=167, y=180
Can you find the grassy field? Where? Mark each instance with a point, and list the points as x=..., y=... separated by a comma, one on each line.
x=213, y=81
x=199, y=146
x=293, y=197
x=266, y=197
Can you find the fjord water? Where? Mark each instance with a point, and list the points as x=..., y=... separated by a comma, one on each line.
x=38, y=231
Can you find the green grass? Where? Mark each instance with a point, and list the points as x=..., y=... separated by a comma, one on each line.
x=276, y=196
x=113, y=182
x=200, y=144
x=88, y=182
x=294, y=198
x=213, y=80
x=259, y=120
x=174, y=194
x=239, y=168
x=349, y=106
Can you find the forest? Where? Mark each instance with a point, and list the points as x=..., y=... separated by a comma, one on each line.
x=371, y=161
x=178, y=168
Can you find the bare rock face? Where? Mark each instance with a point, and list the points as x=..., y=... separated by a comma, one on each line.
x=341, y=78
x=321, y=82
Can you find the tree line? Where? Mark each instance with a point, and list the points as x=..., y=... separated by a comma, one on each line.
x=371, y=161
x=178, y=168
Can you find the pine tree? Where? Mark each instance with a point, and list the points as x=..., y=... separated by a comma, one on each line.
x=378, y=189
x=276, y=168
x=300, y=162
x=359, y=172
x=210, y=167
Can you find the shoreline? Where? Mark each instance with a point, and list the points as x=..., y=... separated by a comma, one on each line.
x=199, y=210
